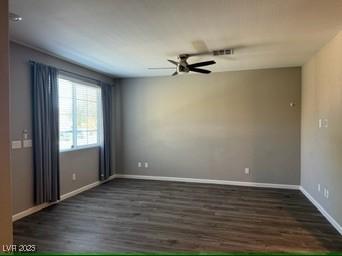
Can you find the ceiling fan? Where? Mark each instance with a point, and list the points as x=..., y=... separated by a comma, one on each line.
x=182, y=65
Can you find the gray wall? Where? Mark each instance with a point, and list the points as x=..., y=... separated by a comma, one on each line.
x=321, y=154
x=5, y=179
x=83, y=162
x=213, y=126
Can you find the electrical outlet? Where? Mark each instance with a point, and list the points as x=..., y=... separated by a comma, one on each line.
x=247, y=171
x=146, y=164
x=74, y=176
x=319, y=187
x=139, y=164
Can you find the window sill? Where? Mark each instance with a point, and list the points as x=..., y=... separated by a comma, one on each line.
x=78, y=149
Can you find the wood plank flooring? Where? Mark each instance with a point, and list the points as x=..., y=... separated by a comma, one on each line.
x=127, y=215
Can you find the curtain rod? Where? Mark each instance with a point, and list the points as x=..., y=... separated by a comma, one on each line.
x=71, y=73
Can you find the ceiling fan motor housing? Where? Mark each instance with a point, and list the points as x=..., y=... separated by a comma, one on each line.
x=183, y=64
x=182, y=69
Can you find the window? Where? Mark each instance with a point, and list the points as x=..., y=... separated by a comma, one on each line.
x=79, y=113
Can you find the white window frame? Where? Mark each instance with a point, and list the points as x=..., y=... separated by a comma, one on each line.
x=75, y=147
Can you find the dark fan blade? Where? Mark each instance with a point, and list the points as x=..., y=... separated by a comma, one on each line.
x=199, y=70
x=175, y=73
x=162, y=68
x=173, y=62
x=201, y=64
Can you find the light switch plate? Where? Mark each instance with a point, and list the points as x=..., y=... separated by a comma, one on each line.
x=16, y=144
x=323, y=123
x=27, y=143
x=320, y=123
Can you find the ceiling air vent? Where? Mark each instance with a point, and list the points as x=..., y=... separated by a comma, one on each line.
x=223, y=52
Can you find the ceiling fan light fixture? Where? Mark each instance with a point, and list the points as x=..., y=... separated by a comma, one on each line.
x=14, y=17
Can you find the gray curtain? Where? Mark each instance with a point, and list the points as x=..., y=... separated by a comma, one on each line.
x=106, y=148
x=45, y=133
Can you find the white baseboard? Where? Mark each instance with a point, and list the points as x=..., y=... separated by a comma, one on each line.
x=332, y=221
x=38, y=208
x=84, y=188
x=209, y=181
x=30, y=211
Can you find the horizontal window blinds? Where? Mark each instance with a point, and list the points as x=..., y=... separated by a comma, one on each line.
x=80, y=113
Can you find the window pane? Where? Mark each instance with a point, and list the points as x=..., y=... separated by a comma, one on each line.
x=65, y=106
x=65, y=122
x=64, y=88
x=87, y=115
x=92, y=116
x=82, y=138
x=65, y=114
x=81, y=92
x=82, y=114
x=78, y=113
x=65, y=140
x=92, y=94
x=92, y=137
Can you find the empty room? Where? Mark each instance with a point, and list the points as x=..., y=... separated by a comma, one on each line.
x=171, y=126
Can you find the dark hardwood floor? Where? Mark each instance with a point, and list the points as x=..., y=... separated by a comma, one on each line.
x=149, y=216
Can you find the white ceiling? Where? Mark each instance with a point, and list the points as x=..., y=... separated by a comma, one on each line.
x=125, y=37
